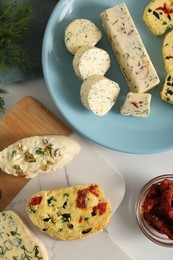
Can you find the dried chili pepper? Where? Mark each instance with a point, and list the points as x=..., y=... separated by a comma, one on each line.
x=165, y=9
x=157, y=207
x=35, y=201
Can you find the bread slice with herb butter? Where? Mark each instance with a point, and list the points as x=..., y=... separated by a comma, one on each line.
x=38, y=154
x=71, y=212
x=17, y=241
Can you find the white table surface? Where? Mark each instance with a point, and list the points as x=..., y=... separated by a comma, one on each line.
x=136, y=170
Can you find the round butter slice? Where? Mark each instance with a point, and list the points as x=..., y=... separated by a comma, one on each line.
x=17, y=241
x=167, y=89
x=79, y=33
x=71, y=212
x=38, y=154
x=90, y=61
x=158, y=16
x=98, y=94
x=167, y=51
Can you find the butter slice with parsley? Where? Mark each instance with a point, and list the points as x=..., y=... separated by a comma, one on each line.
x=167, y=51
x=167, y=90
x=158, y=16
x=136, y=104
x=71, y=212
x=89, y=61
x=38, y=154
x=80, y=33
x=98, y=94
x=17, y=241
x=129, y=49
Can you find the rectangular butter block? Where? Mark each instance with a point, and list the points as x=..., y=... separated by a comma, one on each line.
x=129, y=49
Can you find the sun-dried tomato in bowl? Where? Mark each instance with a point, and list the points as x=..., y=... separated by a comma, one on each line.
x=154, y=210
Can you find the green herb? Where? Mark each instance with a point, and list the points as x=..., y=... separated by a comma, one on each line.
x=86, y=230
x=14, y=23
x=39, y=151
x=66, y=195
x=14, y=152
x=33, y=210
x=65, y=204
x=14, y=233
x=27, y=254
x=65, y=217
x=2, y=103
x=49, y=201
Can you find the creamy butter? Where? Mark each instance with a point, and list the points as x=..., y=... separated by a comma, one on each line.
x=38, y=154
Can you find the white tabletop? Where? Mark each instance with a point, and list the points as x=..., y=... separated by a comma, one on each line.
x=136, y=170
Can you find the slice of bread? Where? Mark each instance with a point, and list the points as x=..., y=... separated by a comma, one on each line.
x=17, y=241
x=71, y=212
x=38, y=154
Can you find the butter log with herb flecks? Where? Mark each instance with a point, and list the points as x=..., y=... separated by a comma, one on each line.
x=129, y=49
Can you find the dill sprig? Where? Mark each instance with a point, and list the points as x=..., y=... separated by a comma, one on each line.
x=2, y=103
x=14, y=23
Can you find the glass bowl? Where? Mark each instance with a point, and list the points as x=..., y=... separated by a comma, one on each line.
x=146, y=227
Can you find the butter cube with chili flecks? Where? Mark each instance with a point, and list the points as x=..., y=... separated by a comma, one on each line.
x=136, y=104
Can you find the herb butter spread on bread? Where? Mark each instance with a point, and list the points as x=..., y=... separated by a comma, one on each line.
x=17, y=241
x=71, y=212
x=38, y=154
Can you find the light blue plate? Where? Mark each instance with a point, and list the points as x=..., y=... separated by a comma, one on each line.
x=115, y=131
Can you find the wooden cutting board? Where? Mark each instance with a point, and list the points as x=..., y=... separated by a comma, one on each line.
x=27, y=118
